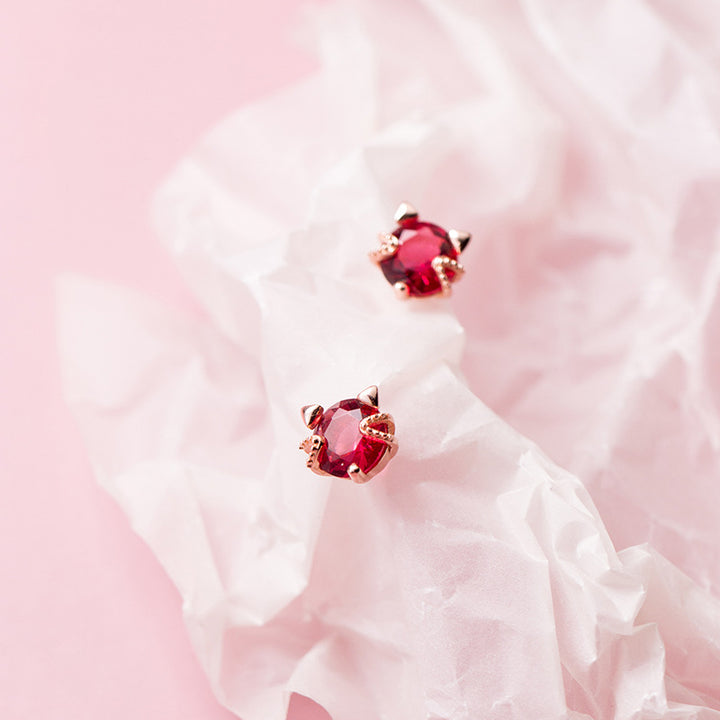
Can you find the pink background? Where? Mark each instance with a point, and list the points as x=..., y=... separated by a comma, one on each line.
x=99, y=100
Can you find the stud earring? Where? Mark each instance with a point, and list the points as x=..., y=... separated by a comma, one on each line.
x=350, y=439
x=419, y=258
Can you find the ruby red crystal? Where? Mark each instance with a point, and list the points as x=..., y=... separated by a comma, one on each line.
x=344, y=443
x=420, y=243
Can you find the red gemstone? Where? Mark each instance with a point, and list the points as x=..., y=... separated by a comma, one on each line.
x=345, y=444
x=420, y=243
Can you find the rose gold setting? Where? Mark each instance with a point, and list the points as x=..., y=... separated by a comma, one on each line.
x=312, y=415
x=356, y=474
x=368, y=426
x=402, y=291
x=388, y=247
x=459, y=239
x=388, y=439
x=312, y=446
x=369, y=395
x=440, y=265
x=405, y=211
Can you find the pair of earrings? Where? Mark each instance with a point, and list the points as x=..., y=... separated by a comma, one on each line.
x=353, y=439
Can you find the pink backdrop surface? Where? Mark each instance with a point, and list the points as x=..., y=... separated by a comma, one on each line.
x=99, y=100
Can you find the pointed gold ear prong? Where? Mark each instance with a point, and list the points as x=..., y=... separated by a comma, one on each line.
x=459, y=239
x=311, y=415
x=402, y=290
x=356, y=474
x=369, y=395
x=405, y=212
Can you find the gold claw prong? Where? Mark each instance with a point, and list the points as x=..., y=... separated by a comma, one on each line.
x=402, y=290
x=441, y=264
x=311, y=415
x=369, y=395
x=368, y=427
x=405, y=211
x=312, y=446
x=356, y=474
x=459, y=239
x=388, y=247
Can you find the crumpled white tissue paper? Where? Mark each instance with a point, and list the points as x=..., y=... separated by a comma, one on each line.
x=474, y=579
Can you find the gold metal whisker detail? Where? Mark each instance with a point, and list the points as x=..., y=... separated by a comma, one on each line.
x=369, y=429
x=388, y=247
x=441, y=264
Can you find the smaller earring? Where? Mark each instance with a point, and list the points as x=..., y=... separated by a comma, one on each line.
x=350, y=439
x=419, y=258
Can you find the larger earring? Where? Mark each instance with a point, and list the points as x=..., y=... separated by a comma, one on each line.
x=350, y=439
x=419, y=258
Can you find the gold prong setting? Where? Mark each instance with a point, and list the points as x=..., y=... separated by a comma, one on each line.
x=388, y=247
x=312, y=445
x=420, y=259
x=402, y=290
x=441, y=264
x=460, y=239
x=369, y=428
x=337, y=449
x=369, y=396
x=356, y=474
x=312, y=414
x=405, y=211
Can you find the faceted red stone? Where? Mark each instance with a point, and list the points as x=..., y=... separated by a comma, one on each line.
x=345, y=444
x=420, y=242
